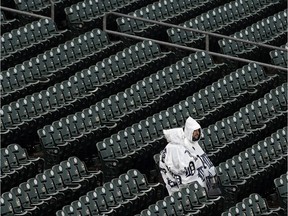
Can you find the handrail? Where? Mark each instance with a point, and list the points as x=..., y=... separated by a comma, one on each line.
x=194, y=30
x=52, y=10
x=190, y=48
x=29, y=13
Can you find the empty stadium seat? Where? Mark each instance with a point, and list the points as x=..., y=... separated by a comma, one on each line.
x=281, y=189
x=278, y=57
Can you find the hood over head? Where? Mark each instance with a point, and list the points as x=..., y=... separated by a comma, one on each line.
x=191, y=125
x=174, y=136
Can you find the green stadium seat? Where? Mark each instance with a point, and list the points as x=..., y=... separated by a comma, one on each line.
x=100, y=202
x=80, y=208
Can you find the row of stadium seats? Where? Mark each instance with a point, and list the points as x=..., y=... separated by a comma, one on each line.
x=239, y=131
x=141, y=139
x=87, y=14
x=208, y=103
x=26, y=41
x=252, y=205
x=17, y=167
x=138, y=142
x=170, y=201
x=271, y=30
x=82, y=89
x=162, y=10
x=121, y=196
x=22, y=102
x=55, y=65
x=253, y=169
x=149, y=95
x=260, y=117
x=34, y=6
x=223, y=19
x=43, y=7
x=190, y=200
x=49, y=191
x=221, y=98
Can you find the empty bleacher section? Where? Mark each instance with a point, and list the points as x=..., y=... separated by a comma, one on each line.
x=85, y=15
x=134, y=104
x=56, y=64
x=29, y=40
x=167, y=11
x=191, y=200
x=253, y=169
x=121, y=196
x=48, y=191
x=83, y=110
x=271, y=30
x=224, y=19
x=83, y=89
x=253, y=205
x=17, y=166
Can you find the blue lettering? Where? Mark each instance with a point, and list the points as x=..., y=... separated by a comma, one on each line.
x=190, y=170
x=201, y=173
x=207, y=160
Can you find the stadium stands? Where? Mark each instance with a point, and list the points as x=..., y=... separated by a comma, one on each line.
x=271, y=30
x=87, y=14
x=192, y=200
x=252, y=205
x=25, y=42
x=50, y=190
x=56, y=64
x=166, y=11
x=223, y=19
x=83, y=110
x=17, y=167
x=115, y=197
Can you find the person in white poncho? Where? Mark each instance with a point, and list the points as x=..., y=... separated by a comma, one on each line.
x=183, y=161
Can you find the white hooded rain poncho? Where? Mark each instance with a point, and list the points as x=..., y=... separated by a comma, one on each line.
x=183, y=161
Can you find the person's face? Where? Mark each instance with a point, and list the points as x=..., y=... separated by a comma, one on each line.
x=196, y=135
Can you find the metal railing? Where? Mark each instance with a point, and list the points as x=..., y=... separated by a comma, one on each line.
x=26, y=13
x=207, y=34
